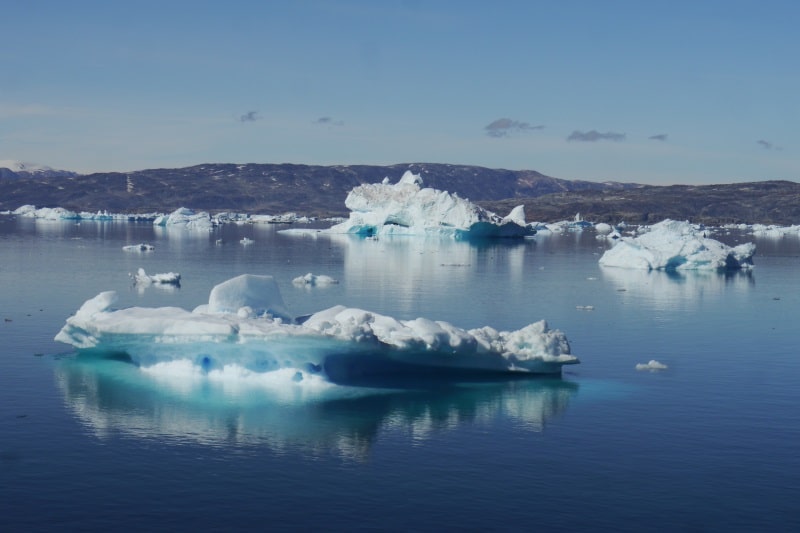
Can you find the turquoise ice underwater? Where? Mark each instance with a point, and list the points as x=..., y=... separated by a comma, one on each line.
x=708, y=443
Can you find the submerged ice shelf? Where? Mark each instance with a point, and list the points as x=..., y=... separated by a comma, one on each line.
x=246, y=325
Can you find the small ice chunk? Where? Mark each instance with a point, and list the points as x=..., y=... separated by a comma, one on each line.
x=142, y=247
x=313, y=280
x=167, y=278
x=652, y=366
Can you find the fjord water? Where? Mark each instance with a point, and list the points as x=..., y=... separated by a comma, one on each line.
x=709, y=444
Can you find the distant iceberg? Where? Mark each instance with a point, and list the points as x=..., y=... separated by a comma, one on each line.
x=246, y=324
x=671, y=245
x=187, y=218
x=652, y=366
x=63, y=214
x=313, y=280
x=141, y=247
x=46, y=213
x=406, y=208
x=775, y=232
x=168, y=278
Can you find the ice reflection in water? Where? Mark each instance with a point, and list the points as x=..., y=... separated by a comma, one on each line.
x=677, y=290
x=112, y=397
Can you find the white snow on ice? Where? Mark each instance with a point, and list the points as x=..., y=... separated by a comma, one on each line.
x=406, y=208
x=246, y=323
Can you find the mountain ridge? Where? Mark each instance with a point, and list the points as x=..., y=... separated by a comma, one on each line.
x=317, y=190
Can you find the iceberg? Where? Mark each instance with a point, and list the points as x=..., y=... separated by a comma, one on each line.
x=187, y=218
x=45, y=213
x=314, y=280
x=63, y=214
x=141, y=247
x=775, y=232
x=246, y=324
x=652, y=366
x=406, y=208
x=671, y=245
x=168, y=278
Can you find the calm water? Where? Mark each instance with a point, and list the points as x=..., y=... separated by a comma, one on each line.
x=710, y=444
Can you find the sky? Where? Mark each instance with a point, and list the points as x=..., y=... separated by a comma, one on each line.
x=678, y=92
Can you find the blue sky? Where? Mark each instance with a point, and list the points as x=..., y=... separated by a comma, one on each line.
x=645, y=91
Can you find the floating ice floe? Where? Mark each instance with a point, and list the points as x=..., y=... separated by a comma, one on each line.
x=168, y=278
x=406, y=208
x=313, y=280
x=603, y=229
x=246, y=324
x=606, y=232
x=142, y=247
x=652, y=366
x=60, y=213
x=45, y=213
x=672, y=245
x=775, y=232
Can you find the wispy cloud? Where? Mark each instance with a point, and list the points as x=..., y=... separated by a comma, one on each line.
x=503, y=127
x=329, y=121
x=659, y=137
x=767, y=145
x=250, y=116
x=594, y=136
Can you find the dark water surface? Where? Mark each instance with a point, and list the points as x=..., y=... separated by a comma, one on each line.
x=709, y=444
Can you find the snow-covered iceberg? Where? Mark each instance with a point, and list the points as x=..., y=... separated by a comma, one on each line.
x=406, y=208
x=246, y=325
x=187, y=218
x=673, y=245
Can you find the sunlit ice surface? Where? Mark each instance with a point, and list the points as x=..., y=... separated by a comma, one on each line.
x=247, y=324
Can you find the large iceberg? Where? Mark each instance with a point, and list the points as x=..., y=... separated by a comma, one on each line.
x=672, y=245
x=246, y=325
x=406, y=208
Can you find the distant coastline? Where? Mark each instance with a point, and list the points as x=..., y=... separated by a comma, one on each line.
x=320, y=191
